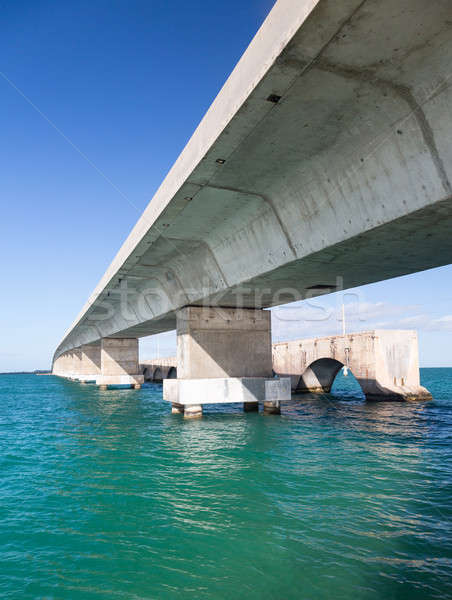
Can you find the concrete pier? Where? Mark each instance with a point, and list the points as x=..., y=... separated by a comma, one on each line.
x=119, y=363
x=110, y=362
x=177, y=409
x=223, y=356
x=90, y=363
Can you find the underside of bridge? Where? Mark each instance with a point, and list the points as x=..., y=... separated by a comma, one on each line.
x=324, y=163
x=327, y=154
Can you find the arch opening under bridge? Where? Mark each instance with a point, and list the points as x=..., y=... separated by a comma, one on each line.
x=157, y=376
x=172, y=373
x=327, y=375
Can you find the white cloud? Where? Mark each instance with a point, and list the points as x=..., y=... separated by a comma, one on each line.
x=308, y=320
x=319, y=317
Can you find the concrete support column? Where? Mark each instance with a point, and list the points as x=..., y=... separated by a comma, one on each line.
x=119, y=365
x=67, y=364
x=58, y=365
x=90, y=364
x=193, y=411
x=76, y=363
x=223, y=355
x=270, y=408
x=177, y=409
x=81, y=364
x=190, y=411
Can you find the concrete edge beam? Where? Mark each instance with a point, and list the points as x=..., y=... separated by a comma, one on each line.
x=226, y=390
x=120, y=380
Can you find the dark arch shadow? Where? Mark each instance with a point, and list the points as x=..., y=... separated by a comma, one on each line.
x=172, y=373
x=158, y=375
x=326, y=375
x=319, y=376
x=147, y=373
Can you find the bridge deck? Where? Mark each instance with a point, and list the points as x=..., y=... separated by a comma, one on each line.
x=324, y=161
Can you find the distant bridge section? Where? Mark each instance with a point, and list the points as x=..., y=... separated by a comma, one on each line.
x=159, y=369
x=385, y=363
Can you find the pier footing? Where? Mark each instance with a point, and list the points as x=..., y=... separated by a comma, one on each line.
x=248, y=391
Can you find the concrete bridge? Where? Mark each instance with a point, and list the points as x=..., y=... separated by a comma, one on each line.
x=158, y=369
x=324, y=162
x=385, y=363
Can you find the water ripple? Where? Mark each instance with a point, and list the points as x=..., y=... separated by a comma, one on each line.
x=107, y=495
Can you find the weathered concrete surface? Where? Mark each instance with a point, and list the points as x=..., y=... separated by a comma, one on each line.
x=223, y=342
x=61, y=365
x=385, y=363
x=224, y=355
x=69, y=364
x=90, y=363
x=109, y=362
x=223, y=390
x=348, y=174
x=119, y=363
x=159, y=369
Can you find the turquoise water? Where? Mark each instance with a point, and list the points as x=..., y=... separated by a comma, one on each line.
x=106, y=495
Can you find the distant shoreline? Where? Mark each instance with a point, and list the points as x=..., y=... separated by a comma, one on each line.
x=37, y=372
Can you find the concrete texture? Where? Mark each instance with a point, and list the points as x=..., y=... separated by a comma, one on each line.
x=193, y=411
x=226, y=390
x=177, y=409
x=110, y=362
x=223, y=355
x=90, y=363
x=223, y=342
x=347, y=175
x=119, y=363
x=119, y=356
x=159, y=369
x=69, y=364
x=385, y=363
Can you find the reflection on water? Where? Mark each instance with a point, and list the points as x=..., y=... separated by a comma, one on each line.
x=108, y=495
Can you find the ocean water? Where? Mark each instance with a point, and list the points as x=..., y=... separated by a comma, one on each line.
x=106, y=495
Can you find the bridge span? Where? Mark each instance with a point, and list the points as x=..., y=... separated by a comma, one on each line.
x=325, y=161
x=384, y=362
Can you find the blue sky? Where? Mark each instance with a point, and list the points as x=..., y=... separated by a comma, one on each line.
x=97, y=101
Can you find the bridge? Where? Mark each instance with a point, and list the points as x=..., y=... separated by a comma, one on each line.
x=384, y=362
x=324, y=163
x=158, y=369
